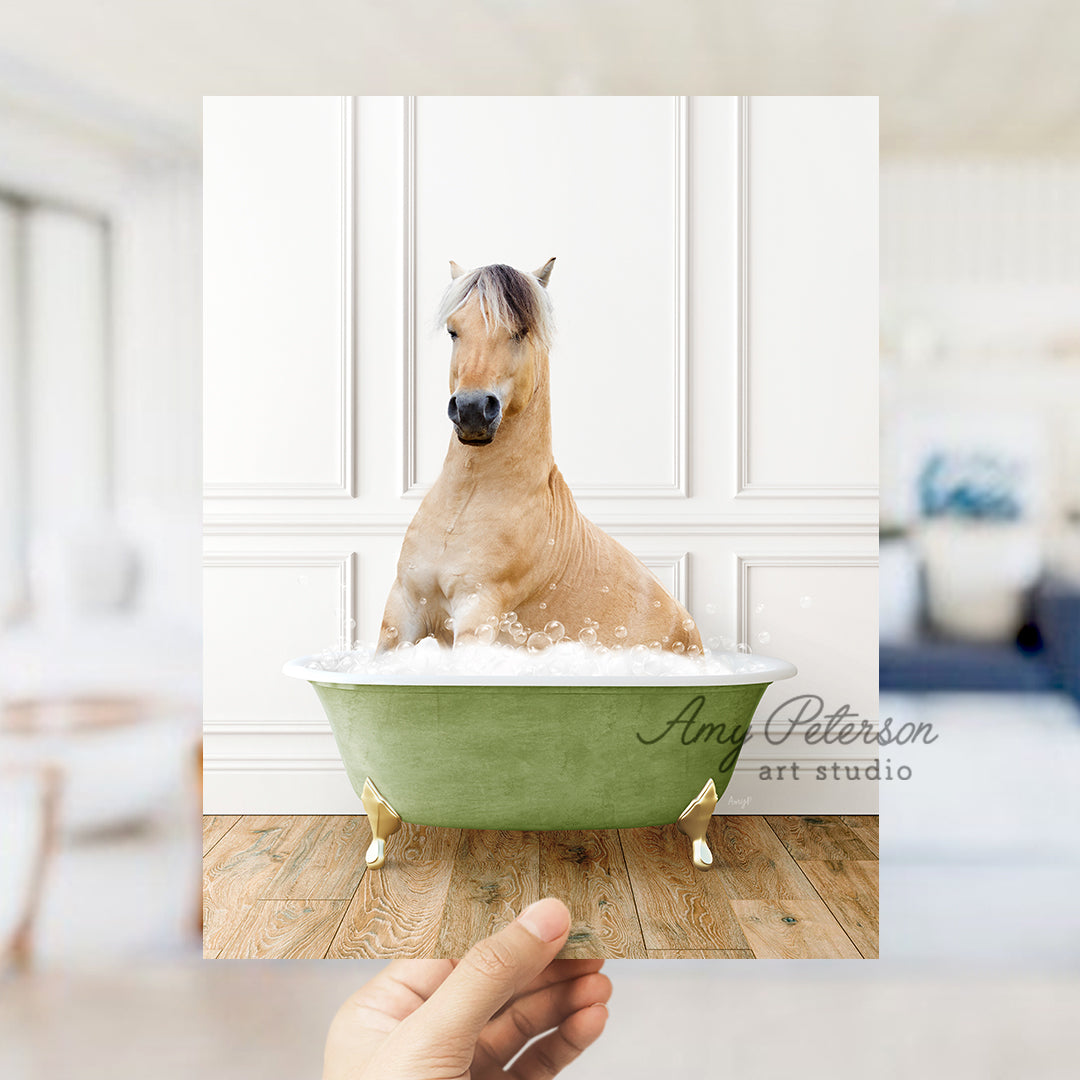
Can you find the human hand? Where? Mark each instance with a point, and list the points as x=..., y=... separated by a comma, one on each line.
x=466, y=1019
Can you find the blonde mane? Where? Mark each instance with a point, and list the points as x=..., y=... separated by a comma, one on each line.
x=509, y=300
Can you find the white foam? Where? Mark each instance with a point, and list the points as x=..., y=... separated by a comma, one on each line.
x=567, y=659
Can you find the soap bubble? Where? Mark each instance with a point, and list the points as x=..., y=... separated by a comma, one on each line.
x=678, y=647
x=759, y=608
x=551, y=541
x=656, y=603
x=404, y=646
x=689, y=625
x=390, y=632
x=655, y=646
x=423, y=600
x=620, y=632
x=555, y=630
x=519, y=634
x=543, y=606
x=604, y=589
x=538, y=642
x=694, y=650
x=743, y=647
x=764, y=637
x=412, y=566
x=587, y=636
x=806, y=601
x=485, y=633
x=448, y=623
x=511, y=616
x=552, y=586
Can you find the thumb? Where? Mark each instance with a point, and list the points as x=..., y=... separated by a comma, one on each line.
x=490, y=974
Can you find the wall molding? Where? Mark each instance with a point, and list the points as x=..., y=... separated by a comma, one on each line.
x=679, y=564
x=651, y=525
x=745, y=562
x=745, y=487
x=344, y=486
x=344, y=562
x=679, y=486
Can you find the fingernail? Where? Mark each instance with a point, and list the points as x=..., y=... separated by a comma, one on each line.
x=547, y=919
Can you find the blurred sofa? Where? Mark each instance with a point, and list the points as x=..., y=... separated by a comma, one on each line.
x=1044, y=657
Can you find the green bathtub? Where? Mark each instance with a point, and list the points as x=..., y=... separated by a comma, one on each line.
x=566, y=753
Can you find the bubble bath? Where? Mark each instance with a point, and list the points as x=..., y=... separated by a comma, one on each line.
x=560, y=660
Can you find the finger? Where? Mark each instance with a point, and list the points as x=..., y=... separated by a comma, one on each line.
x=548, y=1056
x=558, y=971
x=532, y=1015
x=490, y=974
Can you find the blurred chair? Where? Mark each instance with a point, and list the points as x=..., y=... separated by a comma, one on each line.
x=29, y=800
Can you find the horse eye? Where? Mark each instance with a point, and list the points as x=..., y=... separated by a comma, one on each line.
x=451, y=333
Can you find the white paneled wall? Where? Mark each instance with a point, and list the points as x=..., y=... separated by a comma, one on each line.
x=714, y=381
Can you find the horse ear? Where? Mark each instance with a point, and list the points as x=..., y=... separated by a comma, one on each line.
x=544, y=272
x=455, y=270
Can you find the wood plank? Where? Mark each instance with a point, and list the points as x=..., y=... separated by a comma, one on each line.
x=395, y=911
x=680, y=907
x=214, y=827
x=238, y=868
x=285, y=930
x=753, y=864
x=865, y=827
x=326, y=863
x=496, y=876
x=586, y=870
x=851, y=891
x=792, y=931
x=818, y=838
x=701, y=954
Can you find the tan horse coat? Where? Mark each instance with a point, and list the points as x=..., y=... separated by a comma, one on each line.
x=500, y=532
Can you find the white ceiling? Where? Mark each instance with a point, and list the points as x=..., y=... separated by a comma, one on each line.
x=954, y=76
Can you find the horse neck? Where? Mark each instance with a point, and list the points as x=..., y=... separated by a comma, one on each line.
x=520, y=456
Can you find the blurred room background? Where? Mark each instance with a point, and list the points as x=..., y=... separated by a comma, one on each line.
x=99, y=532
x=980, y=546
x=99, y=475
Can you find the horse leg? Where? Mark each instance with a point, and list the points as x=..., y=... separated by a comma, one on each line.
x=402, y=620
x=475, y=611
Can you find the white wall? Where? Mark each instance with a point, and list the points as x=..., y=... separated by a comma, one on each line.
x=717, y=267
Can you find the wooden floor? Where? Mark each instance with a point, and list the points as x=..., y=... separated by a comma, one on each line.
x=780, y=887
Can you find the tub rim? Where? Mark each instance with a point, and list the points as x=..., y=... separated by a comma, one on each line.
x=775, y=670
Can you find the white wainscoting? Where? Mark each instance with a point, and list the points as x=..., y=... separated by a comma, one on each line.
x=714, y=383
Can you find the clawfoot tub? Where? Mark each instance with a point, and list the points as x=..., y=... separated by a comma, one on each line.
x=562, y=752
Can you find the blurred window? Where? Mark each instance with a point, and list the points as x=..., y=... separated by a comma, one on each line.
x=56, y=390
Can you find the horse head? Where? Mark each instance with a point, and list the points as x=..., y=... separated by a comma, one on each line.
x=499, y=321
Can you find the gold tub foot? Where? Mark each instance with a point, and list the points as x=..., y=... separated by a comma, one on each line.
x=694, y=821
x=384, y=822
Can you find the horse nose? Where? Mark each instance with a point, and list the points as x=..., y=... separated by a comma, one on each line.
x=475, y=413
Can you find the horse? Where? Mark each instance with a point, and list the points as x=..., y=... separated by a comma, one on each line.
x=498, y=549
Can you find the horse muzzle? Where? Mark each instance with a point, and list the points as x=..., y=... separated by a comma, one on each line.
x=476, y=415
